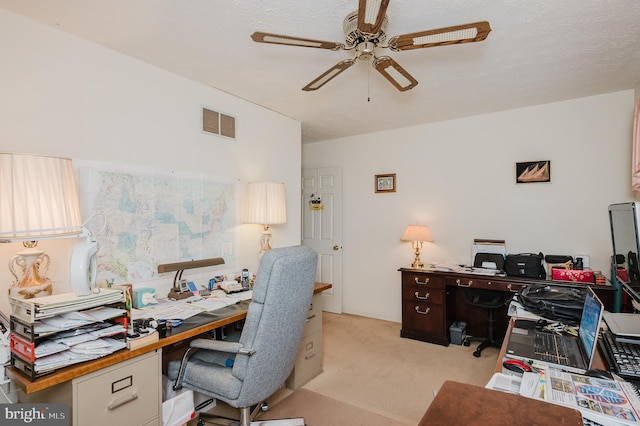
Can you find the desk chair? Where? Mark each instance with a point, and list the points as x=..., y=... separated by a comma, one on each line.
x=245, y=373
x=489, y=300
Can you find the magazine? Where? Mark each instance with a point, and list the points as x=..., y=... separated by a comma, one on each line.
x=601, y=400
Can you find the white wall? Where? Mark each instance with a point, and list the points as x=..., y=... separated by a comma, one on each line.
x=63, y=96
x=458, y=177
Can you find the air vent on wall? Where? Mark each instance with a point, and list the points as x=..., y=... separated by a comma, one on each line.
x=218, y=123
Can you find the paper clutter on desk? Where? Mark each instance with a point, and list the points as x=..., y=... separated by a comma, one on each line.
x=144, y=297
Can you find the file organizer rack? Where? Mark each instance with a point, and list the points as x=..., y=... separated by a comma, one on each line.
x=26, y=316
x=30, y=310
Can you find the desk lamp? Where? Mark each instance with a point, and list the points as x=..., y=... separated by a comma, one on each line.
x=417, y=234
x=178, y=291
x=39, y=201
x=265, y=206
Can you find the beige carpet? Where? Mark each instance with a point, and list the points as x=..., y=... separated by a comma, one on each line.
x=319, y=410
x=368, y=365
x=374, y=377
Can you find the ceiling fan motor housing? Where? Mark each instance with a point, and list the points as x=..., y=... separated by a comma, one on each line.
x=354, y=36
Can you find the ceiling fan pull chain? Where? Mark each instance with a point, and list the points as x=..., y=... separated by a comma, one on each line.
x=369, y=82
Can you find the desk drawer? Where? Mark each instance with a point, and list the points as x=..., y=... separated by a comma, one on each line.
x=422, y=281
x=314, y=316
x=414, y=294
x=308, y=362
x=425, y=318
x=473, y=282
x=125, y=394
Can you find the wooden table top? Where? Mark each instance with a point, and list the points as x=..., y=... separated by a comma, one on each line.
x=465, y=404
x=201, y=323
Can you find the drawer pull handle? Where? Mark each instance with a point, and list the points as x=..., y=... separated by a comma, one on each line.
x=462, y=285
x=511, y=289
x=425, y=297
x=311, y=317
x=425, y=312
x=425, y=282
x=309, y=355
x=123, y=401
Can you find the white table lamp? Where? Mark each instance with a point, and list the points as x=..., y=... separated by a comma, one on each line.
x=39, y=200
x=265, y=206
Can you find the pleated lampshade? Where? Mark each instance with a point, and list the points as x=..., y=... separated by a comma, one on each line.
x=38, y=197
x=265, y=203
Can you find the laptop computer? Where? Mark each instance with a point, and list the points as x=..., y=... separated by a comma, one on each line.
x=569, y=353
x=623, y=325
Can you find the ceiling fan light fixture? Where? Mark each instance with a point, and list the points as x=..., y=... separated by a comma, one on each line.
x=365, y=30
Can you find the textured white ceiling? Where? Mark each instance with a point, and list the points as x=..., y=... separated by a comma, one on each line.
x=538, y=52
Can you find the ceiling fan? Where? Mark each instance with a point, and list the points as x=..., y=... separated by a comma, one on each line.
x=365, y=30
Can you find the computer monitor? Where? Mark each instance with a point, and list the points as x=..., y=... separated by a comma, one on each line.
x=624, y=219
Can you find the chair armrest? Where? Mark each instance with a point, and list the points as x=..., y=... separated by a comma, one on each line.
x=220, y=346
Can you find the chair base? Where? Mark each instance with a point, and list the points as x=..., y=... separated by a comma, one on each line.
x=247, y=415
x=484, y=343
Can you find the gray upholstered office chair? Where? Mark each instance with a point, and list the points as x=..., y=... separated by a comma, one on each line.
x=266, y=352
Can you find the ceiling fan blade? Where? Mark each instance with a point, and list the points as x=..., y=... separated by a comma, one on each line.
x=328, y=75
x=476, y=31
x=261, y=37
x=393, y=72
x=371, y=15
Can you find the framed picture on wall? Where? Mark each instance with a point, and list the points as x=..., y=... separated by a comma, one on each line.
x=385, y=183
x=533, y=171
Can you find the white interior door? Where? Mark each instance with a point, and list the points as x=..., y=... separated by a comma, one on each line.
x=322, y=228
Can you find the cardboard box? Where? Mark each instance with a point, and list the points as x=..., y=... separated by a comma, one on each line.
x=573, y=275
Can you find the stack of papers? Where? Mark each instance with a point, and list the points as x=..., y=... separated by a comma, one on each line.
x=77, y=345
x=78, y=353
x=71, y=320
x=185, y=308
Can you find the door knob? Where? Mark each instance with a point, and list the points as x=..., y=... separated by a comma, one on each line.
x=336, y=247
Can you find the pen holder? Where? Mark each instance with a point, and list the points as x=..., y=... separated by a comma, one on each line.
x=162, y=328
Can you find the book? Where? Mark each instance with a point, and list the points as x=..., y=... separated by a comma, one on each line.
x=143, y=340
x=600, y=400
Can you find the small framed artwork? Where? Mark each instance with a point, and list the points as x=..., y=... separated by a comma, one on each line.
x=533, y=171
x=386, y=183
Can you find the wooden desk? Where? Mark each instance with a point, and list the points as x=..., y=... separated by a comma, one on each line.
x=201, y=323
x=464, y=404
x=432, y=301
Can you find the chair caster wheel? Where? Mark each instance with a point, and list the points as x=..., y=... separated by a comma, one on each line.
x=466, y=343
x=477, y=354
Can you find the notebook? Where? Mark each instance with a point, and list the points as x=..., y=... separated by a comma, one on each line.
x=570, y=353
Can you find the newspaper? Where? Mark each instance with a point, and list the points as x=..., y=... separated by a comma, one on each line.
x=601, y=400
